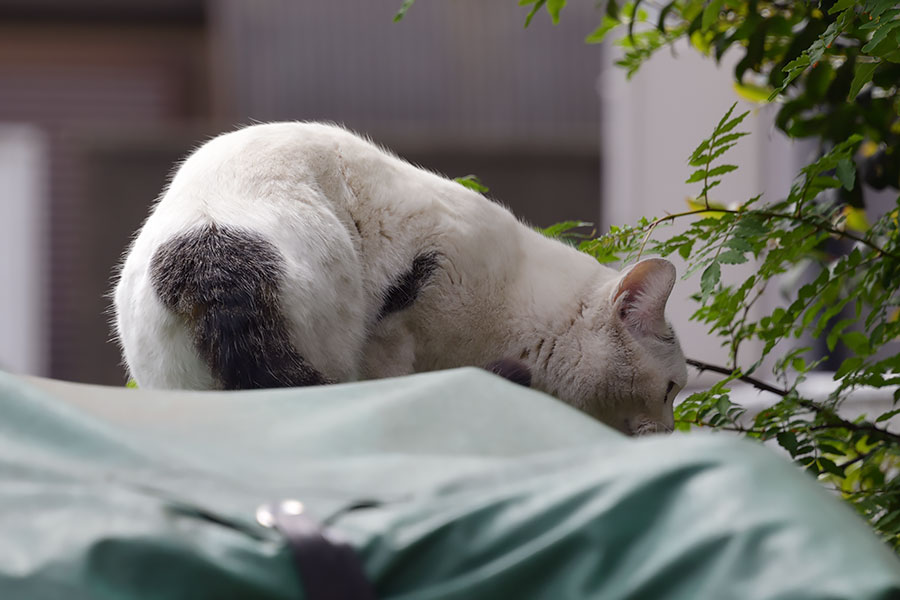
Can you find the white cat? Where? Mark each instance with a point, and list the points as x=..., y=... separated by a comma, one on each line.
x=292, y=254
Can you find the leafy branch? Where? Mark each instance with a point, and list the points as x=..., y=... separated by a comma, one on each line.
x=834, y=420
x=757, y=383
x=778, y=236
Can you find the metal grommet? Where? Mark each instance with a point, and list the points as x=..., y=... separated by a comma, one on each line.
x=291, y=507
x=267, y=514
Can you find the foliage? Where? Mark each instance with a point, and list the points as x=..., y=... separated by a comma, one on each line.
x=834, y=66
x=473, y=183
x=852, y=301
x=407, y=4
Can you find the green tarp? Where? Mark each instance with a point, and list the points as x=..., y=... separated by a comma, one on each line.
x=465, y=487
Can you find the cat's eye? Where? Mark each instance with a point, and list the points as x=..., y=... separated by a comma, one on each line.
x=669, y=391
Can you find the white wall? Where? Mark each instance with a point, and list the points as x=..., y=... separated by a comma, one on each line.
x=651, y=125
x=23, y=274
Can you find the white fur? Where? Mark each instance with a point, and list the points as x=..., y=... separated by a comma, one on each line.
x=349, y=217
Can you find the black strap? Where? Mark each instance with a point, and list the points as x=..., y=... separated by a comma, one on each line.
x=329, y=569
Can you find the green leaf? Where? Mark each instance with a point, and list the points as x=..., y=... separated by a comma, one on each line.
x=793, y=70
x=828, y=466
x=407, y=4
x=732, y=123
x=878, y=7
x=553, y=8
x=472, y=182
x=599, y=34
x=724, y=139
x=812, y=312
x=848, y=366
x=711, y=13
x=855, y=219
x=701, y=174
x=842, y=5
x=788, y=441
x=710, y=279
x=132, y=384
x=890, y=520
x=732, y=257
x=612, y=9
x=725, y=117
x=557, y=229
x=846, y=173
x=750, y=226
x=722, y=405
x=537, y=6
x=739, y=244
x=862, y=74
x=805, y=449
x=709, y=157
x=888, y=415
x=835, y=333
x=829, y=449
x=721, y=170
x=698, y=152
x=857, y=341
x=752, y=93
x=880, y=35
x=698, y=175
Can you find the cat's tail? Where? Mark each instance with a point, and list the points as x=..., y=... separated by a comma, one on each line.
x=224, y=282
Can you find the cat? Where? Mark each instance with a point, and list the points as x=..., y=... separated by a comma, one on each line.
x=293, y=254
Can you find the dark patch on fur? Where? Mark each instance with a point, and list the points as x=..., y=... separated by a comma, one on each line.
x=408, y=286
x=225, y=282
x=511, y=369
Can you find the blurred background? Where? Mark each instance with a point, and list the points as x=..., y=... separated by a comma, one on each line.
x=99, y=99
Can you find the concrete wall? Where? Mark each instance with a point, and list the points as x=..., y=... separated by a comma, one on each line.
x=22, y=246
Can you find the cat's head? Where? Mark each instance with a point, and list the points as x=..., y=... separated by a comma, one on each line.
x=627, y=363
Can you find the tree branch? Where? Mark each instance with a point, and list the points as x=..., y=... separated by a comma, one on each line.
x=822, y=226
x=859, y=458
x=836, y=422
x=864, y=427
x=757, y=383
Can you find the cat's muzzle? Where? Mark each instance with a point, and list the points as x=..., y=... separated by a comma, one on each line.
x=645, y=427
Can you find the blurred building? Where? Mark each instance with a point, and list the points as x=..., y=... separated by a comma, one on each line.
x=100, y=98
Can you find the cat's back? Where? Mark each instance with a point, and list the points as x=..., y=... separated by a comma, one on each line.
x=267, y=149
x=266, y=162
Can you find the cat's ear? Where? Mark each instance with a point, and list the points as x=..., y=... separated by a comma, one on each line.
x=640, y=297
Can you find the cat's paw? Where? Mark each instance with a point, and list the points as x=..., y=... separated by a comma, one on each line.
x=511, y=369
